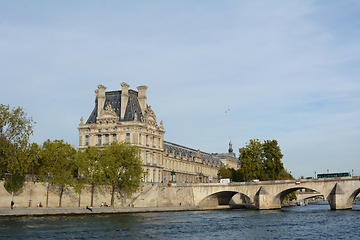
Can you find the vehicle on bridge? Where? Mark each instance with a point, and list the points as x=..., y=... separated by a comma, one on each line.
x=336, y=174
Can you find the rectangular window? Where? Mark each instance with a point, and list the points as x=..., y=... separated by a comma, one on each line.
x=153, y=158
x=159, y=142
x=146, y=157
x=99, y=140
x=114, y=137
x=127, y=137
x=106, y=139
x=153, y=141
x=87, y=140
x=139, y=138
x=159, y=159
x=147, y=139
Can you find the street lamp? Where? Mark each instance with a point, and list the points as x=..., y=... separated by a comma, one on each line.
x=173, y=176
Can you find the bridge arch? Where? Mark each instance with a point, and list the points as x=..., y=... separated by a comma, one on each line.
x=222, y=198
x=352, y=197
x=279, y=198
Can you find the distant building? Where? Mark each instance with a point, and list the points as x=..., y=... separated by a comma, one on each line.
x=124, y=115
x=229, y=159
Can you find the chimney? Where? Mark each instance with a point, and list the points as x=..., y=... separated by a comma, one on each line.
x=142, y=97
x=100, y=95
x=124, y=99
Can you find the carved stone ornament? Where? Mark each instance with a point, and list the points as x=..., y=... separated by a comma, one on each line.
x=150, y=117
x=108, y=113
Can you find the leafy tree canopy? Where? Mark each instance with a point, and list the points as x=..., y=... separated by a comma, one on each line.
x=57, y=164
x=15, y=130
x=262, y=161
x=14, y=182
x=122, y=167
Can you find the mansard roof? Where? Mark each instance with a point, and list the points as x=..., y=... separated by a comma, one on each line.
x=207, y=158
x=113, y=98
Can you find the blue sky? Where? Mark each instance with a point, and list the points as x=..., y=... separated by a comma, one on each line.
x=287, y=70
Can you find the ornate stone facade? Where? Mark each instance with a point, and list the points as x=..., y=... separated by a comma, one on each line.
x=125, y=116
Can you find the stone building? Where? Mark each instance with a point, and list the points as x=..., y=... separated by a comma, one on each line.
x=229, y=159
x=124, y=115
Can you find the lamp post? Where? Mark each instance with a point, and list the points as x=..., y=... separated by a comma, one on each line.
x=173, y=176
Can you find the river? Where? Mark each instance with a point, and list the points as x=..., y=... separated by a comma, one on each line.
x=315, y=221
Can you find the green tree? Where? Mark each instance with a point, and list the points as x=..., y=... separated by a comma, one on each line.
x=14, y=183
x=15, y=130
x=291, y=196
x=33, y=153
x=122, y=167
x=251, y=159
x=236, y=176
x=262, y=161
x=272, y=160
x=225, y=172
x=91, y=171
x=57, y=166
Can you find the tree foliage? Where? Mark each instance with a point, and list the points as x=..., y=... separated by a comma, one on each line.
x=58, y=165
x=258, y=161
x=273, y=167
x=90, y=171
x=122, y=168
x=15, y=130
x=225, y=172
x=251, y=159
x=14, y=183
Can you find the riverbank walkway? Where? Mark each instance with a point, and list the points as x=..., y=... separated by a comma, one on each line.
x=98, y=210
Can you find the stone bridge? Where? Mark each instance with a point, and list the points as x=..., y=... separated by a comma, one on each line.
x=340, y=192
x=307, y=195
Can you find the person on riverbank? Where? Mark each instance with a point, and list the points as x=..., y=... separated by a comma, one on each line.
x=12, y=204
x=39, y=205
x=88, y=208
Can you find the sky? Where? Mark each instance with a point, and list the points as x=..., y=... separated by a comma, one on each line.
x=216, y=71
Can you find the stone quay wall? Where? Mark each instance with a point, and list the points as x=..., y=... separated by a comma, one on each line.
x=149, y=195
x=35, y=192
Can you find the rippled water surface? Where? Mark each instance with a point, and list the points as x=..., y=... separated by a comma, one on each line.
x=315, y=221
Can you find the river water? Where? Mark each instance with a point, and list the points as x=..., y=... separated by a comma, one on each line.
x=315, y=221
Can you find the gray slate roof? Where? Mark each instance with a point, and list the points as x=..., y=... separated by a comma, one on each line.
x=191, y=153
x=114, y=99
